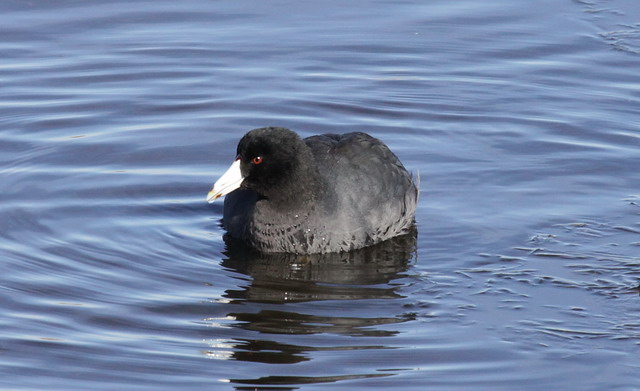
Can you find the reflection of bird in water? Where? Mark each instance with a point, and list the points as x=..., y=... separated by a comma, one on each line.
x=330, y=298
x=327, y=193
x=360, y=276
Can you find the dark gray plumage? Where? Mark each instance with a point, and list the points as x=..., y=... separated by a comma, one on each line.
x=326, y=193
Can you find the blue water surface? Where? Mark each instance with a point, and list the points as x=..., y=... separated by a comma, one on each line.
x=522, y=118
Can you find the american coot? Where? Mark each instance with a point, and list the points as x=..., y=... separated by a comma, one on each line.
x=326, y=193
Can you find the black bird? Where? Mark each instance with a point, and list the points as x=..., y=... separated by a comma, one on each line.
x=322, y=194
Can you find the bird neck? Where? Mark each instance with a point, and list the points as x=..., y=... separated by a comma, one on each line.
x=299, y=192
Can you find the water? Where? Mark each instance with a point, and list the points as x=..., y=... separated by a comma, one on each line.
x=522, y=119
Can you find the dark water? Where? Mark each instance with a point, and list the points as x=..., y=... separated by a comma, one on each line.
x=523, y=119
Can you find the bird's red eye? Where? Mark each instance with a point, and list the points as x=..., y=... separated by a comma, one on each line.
x=257, y=160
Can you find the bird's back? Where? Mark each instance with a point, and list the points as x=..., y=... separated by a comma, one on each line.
x=370, y=196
